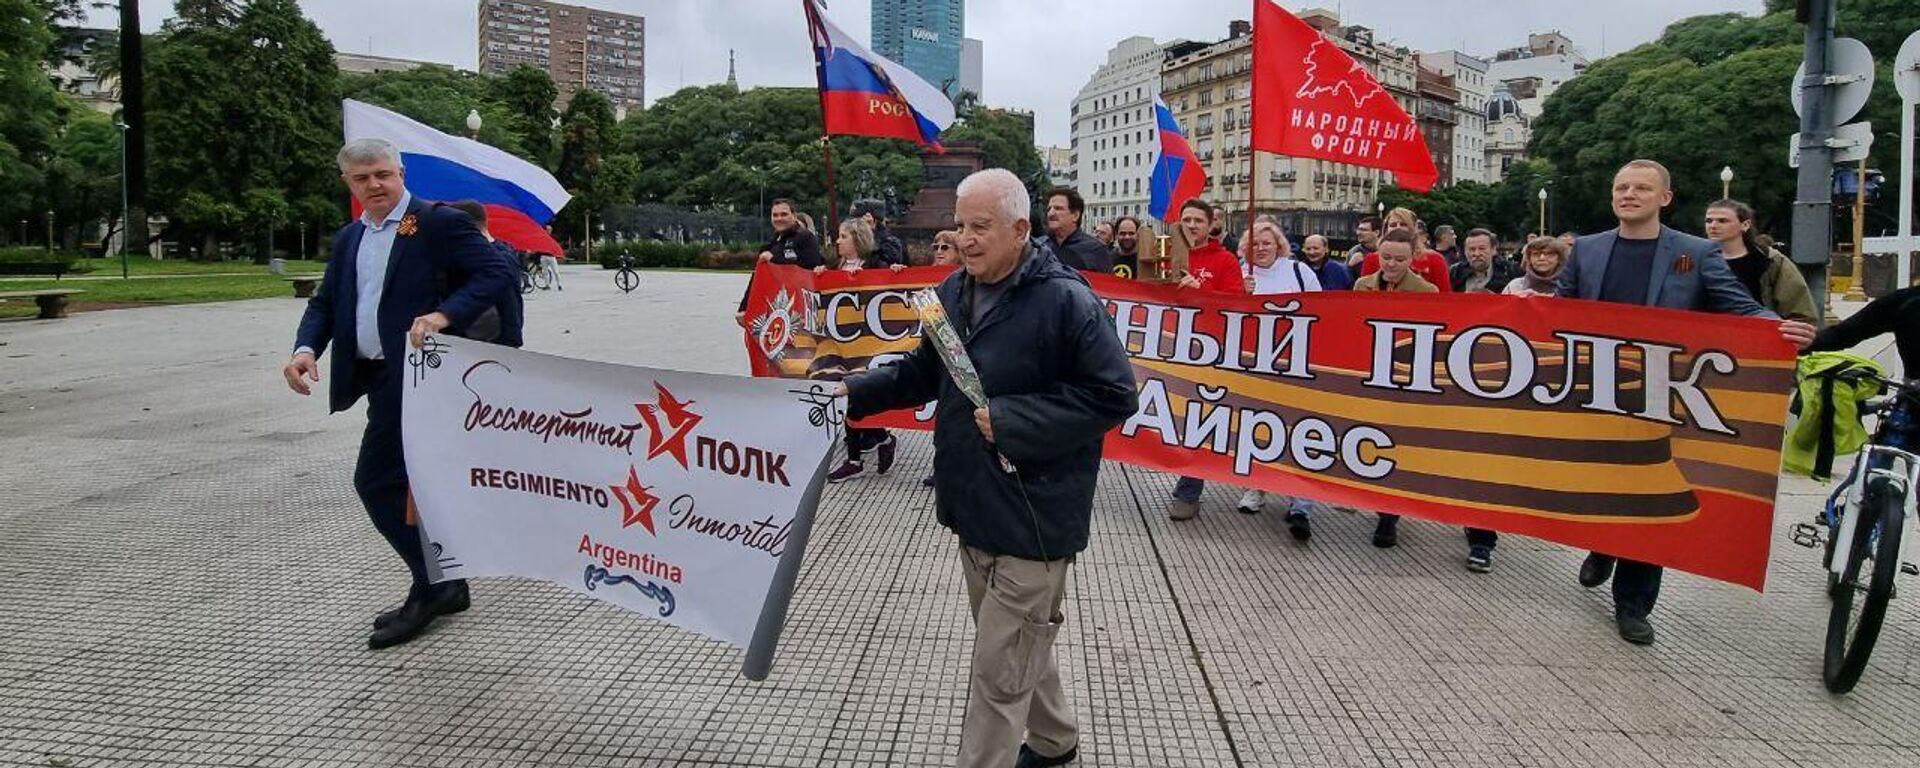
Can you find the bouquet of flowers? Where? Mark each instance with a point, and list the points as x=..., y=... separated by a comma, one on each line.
x=938, y=329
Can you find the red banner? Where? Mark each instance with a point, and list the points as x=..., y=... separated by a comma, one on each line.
x=1311, y=99
x=1646, y=433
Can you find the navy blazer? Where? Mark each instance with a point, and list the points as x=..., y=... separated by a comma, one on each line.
x=1710, y=286
x=447, y=242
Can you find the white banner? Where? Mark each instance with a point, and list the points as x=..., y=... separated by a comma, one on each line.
x=675, y=495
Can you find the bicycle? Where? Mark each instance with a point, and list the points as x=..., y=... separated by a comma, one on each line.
x=1869, y=518
x=626, y=279
x=542, y=273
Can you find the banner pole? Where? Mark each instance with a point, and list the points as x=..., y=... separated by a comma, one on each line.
x=773, y=613
x=816, y=32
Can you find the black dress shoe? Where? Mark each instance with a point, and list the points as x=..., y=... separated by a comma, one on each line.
x=1635, y=629
x=448, y=598
x=1595, y=570
x=1300, y=526
x=1386, y=533
x=1032, y=759
x=412, y=620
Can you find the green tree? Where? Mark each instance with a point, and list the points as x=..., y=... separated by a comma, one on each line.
x=240, y=102
x=527, y=96
x=1006, y=141
x=28, y=114
x=1711, y=92
x=441, y=97
x=83, y=173
x=716, y=148
x=586, y=136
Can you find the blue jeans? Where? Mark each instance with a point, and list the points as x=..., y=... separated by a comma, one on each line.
x=1188, y=489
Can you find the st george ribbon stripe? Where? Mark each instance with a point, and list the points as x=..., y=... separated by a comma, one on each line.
x=1281, y=393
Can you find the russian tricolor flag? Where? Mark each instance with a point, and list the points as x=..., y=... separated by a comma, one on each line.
x=520, y=197
x=863, y=94
x=1177, y=175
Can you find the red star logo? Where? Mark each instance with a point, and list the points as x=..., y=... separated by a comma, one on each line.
x=636, y=505
x=679, y=423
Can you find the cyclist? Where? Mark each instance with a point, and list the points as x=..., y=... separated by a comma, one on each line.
x=1897, y=313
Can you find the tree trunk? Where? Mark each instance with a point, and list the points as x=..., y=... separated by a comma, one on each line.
x=133, y=112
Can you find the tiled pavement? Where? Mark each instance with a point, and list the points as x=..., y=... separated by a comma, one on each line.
x=186, y=579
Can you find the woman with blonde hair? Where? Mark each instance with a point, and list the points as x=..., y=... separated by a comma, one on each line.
x=1427, y=263
x=855, y=245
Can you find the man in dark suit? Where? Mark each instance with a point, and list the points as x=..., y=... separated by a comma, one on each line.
x=1644, y=262
x=404, y=270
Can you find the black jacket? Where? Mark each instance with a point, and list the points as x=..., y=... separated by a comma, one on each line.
x=887, y=248
x=1499, y=274
x=1082, y=251
x=797, y=247
x=1056, y=380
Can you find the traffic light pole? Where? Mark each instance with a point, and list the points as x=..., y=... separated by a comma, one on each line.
x=1813, y=203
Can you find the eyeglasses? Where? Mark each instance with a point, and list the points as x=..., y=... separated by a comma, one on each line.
x=942, y=247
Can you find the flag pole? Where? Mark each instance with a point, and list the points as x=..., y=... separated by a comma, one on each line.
x=816, y=33
x=1253, y=155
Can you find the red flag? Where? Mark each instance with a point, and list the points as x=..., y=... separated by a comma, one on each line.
x=1310, y=99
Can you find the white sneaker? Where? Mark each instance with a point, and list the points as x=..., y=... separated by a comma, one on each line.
x=1251, y=503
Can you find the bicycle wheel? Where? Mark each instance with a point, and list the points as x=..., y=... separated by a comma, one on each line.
x=543, y=279
x=1860, y=606
x=626, y=280
x=526, y=283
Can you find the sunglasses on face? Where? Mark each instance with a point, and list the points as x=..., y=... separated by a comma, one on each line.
x=943, y=247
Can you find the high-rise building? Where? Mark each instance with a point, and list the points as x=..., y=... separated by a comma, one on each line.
x=923, y=35
x=580, y=47
x=1469, y=75
x=1115, y=140
x=973, y=57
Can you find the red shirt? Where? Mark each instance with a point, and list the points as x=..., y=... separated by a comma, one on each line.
x=1429, y=264
x=1216, y=268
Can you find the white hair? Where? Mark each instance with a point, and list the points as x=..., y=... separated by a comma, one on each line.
x=1015, y=203
x=366, y=151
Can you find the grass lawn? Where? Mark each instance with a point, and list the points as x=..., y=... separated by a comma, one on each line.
x=182, y=290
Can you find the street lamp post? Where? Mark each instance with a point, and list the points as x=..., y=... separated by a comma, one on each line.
x=473, y=124
x=1726, y=182
x=1545, y=231
x=126, y=213
x=49, y=230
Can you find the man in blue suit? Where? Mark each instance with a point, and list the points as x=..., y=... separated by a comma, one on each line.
x=1644, y=262
x=404, y=270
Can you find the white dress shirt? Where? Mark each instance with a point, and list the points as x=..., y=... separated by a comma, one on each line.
x=370, y=263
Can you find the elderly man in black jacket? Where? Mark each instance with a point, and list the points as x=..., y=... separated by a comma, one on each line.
x=1056, y=380
x=1482, y=270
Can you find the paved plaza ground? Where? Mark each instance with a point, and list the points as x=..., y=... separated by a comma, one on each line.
x=186, y=578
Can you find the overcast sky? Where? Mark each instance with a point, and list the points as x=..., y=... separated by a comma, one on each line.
x=1038, y=52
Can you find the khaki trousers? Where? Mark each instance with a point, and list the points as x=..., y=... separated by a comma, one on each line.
x=1015, y=687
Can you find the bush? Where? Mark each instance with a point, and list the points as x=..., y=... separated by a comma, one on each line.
x=659, y=255
x=29, y=260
